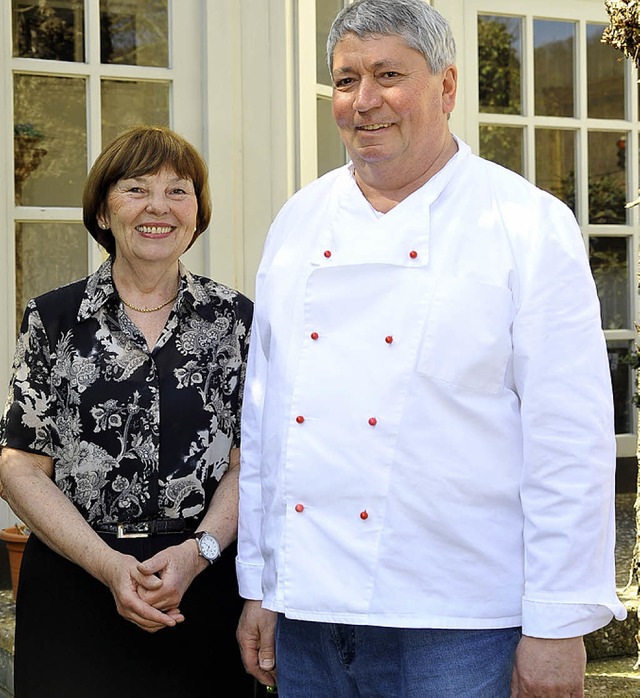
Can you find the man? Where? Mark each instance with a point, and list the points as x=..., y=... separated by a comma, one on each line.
x=427, y=475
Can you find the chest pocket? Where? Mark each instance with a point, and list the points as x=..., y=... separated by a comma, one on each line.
x=467, y=338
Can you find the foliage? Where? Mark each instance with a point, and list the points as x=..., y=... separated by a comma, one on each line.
x=44, y=31
x=498, y=68
x=28, y=130
x=623, y=31
x=632, y=359
x=607, y=201
x=22, y=528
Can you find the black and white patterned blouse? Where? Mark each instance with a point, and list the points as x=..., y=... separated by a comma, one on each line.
x=134, y=434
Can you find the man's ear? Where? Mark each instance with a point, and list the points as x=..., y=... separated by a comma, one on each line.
x=449, y=88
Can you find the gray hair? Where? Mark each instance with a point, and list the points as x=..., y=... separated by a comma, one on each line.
x=414, y=21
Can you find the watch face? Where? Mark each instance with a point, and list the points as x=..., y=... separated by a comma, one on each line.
x=209, y=547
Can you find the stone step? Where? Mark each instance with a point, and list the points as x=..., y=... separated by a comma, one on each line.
x=618, y=639
x=614, y=677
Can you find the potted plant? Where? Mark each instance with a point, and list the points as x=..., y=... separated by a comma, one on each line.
x=15, y=538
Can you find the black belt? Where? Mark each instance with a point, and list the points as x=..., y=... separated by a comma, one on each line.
x=144, y=529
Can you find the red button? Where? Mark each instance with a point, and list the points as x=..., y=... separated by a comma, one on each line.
x=299, y=508
x=373, y=421
x=299, y=419
x=314, y=335
x=388, y=339
x=327, y=253
x=413, y=254
x=364, y=515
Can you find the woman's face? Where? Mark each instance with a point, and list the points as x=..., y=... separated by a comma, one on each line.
x=152, y=217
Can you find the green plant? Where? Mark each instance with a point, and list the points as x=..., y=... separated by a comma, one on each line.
x=27, y=130
x=632, y=359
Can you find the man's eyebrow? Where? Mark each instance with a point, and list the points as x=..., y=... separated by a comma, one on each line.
x=385, y=63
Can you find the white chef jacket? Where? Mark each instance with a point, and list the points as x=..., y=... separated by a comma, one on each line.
x=427, y=435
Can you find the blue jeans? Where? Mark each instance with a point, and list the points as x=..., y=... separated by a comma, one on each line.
x=329, y=660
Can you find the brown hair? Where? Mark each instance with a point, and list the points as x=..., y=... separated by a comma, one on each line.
x=143, y=150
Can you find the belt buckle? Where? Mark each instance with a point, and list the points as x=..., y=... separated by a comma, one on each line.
x=133, y=530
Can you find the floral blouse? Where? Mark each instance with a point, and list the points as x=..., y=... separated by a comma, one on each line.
x=134, y=434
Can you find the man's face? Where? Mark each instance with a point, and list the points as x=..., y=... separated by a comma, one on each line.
x=388, y=106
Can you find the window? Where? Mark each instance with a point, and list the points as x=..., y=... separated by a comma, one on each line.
x=331, y=153
x=65, y=87
x=551, y=106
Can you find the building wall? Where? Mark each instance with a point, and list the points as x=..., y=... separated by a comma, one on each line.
x=244, y=91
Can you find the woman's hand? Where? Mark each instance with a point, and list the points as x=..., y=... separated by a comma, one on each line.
x=164, y=578
x=129, y=587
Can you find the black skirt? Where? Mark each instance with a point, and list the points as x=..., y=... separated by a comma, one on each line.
x=72, y=643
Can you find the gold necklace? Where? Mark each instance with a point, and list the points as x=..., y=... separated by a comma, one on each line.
x=148, y=310
x=158, y=307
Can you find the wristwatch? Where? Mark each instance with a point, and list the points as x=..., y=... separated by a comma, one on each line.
x=208, y=546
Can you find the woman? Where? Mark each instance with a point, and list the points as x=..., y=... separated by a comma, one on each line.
x=120, y=448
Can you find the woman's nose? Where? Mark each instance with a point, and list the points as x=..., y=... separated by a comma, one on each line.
x=157, y=203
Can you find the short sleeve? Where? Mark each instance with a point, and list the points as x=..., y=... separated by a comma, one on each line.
x=27, y=418
x=242, y=332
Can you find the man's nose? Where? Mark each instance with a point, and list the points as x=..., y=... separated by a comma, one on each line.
x=368, y=95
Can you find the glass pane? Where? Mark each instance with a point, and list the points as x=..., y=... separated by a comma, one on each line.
x=49, y=29
x=500, y=64
x=50, y=140
x=605, y=77
x=131, y=102
x=553, y=62
x=134, y=33
x=621, y=378
x=607, y=177
x=331, y=153
x=326, y=10
x=47, y=256
x=555, y=163
x=504, y=145
x=609, y=260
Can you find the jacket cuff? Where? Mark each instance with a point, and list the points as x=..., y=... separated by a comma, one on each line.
x=249, y=580
x=563, y=620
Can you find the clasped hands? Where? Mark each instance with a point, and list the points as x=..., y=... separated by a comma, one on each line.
x=149, y=593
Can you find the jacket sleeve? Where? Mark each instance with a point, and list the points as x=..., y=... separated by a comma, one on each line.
x=567, y=487
x=249, y=561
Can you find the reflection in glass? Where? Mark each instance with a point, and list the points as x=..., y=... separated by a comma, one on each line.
x=47, y=256
x=50, y=140
x=499, y=64
x=609, y=260
x=134, y=33
x=607, y=177
x=52, y=30
x=553, y=64
x=605, y=77
x=504, y=145
x=326, y=10
x=331, y=153
x=131, y=102
x=555, y=163
x=621, y=379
